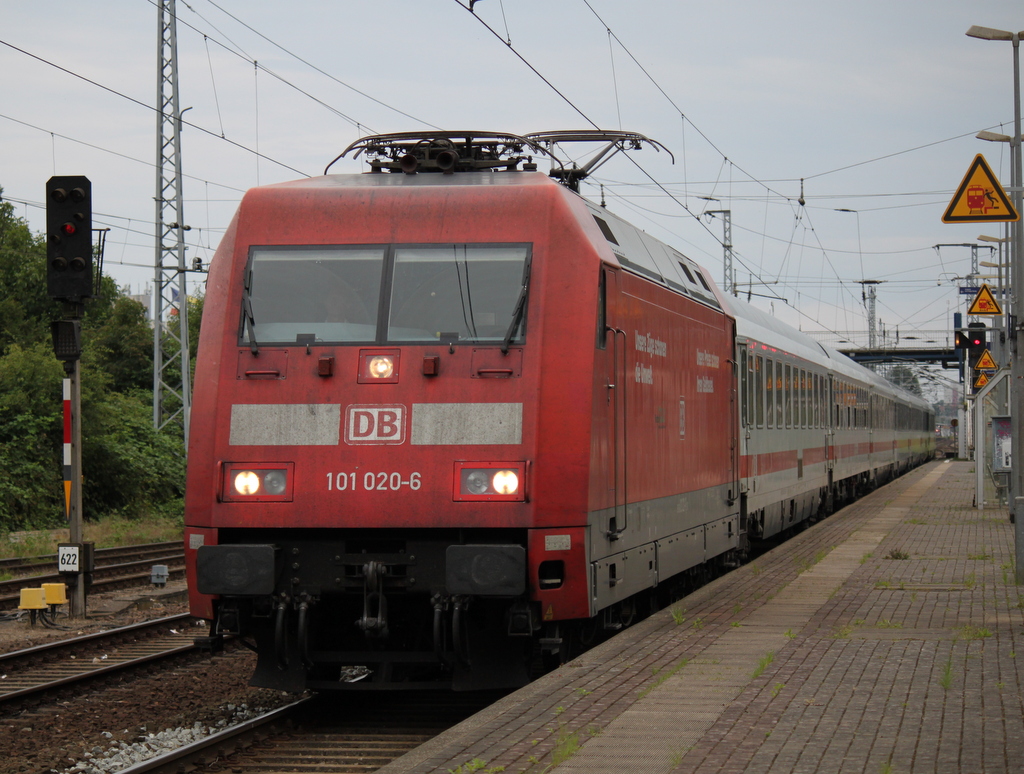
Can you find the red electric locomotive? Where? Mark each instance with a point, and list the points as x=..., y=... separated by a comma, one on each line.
x=449, y=411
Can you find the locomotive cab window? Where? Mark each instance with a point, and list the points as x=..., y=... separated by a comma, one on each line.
x=386, y=294
x=327, y=293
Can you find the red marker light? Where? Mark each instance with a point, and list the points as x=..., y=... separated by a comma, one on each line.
x=68, y=228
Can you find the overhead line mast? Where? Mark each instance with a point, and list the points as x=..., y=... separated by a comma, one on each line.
x=171, y=386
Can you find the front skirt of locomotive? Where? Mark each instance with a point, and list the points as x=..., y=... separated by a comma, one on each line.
x=375, y=611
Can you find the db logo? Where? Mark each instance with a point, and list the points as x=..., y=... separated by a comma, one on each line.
x=375, y=424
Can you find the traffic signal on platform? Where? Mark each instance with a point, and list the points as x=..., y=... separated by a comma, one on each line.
x=977, y=342
x=69, y=237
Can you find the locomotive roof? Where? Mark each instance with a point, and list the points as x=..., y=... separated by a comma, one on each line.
x=637, y=252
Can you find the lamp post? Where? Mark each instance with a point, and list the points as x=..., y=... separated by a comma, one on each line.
x=1017, y=273
x=1003, y=278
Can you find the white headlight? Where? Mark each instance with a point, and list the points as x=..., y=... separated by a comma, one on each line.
x=382, y=367
x=247, y=483
x=505, y=482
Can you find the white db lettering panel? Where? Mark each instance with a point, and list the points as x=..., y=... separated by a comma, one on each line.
x=375, y=424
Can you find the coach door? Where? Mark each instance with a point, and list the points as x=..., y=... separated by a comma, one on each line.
x=615, y=405
x=737, y=412
x=830, y=428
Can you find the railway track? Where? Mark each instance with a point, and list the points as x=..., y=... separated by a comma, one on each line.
x=339, y=734
x=116, y=568
x=32, y=673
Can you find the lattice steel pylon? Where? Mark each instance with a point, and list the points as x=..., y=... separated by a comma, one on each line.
x=171, y=362
x=729, y=273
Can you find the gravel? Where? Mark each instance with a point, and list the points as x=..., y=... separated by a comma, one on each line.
x=124, y=754
x=114, y=725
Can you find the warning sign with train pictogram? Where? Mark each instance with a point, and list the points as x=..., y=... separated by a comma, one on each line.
x=980, y=198
x=986, y=362
x=985, y=303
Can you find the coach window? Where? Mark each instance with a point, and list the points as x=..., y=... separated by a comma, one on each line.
x=803, y=398
x=759, y=387
x=817, y=400
x=791, y=420
x=815, y=412
x=769, y=390
x=786, y=419
x=800, y=420
x=780, y=421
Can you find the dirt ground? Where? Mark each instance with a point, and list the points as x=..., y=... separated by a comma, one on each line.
x=103, y=611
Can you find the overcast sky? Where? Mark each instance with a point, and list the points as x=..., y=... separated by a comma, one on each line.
x=873, y=105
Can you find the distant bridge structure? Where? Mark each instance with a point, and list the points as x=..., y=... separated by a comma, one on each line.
x=918, y=346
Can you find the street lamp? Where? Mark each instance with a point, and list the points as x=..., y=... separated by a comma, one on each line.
x=1017, y=273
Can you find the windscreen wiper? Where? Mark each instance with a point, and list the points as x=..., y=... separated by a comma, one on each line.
x=517, y=313
x=249, y=322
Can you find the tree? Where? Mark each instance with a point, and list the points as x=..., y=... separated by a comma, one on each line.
x=902, y=376
x=128, y=467
x=31, y=437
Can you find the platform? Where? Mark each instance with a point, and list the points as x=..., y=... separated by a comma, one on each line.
x=888, y=638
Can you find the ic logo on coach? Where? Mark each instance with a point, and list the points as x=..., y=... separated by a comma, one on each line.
x=375, y=425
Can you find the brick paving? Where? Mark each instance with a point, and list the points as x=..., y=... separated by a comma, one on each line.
x=883, y=639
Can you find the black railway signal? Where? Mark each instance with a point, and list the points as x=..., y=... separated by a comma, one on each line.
x=977, y=342
x=69, y=237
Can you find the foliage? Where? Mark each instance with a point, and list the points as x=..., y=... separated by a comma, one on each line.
x=129, y=469
x=904, y=377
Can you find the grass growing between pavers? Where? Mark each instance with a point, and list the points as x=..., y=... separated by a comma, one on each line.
x=663, y=676
x=762, y=664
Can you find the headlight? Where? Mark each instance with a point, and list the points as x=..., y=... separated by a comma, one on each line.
x=505, y=482
x=275, y=482
x=381, y=367
x=476, y=482
x=247, y=483
x=489, y=481
x=257, y=483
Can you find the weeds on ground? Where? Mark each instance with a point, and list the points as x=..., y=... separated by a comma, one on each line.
x=477, y=764
x=763, y=663
x=897, y=553
x=566, y=745
x=971, y=632
x=947, y=675
x=669, y=673
x=113, y=531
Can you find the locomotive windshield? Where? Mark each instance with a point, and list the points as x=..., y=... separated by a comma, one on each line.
x=386, y=294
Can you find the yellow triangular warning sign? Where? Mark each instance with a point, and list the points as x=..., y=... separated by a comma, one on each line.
x=986, y=363
x=984, y=302
x=981, y=381
x=979, y=198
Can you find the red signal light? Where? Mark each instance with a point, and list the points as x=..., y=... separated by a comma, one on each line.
x=68, y=229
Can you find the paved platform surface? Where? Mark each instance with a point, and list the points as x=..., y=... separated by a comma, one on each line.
x=889, y=638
